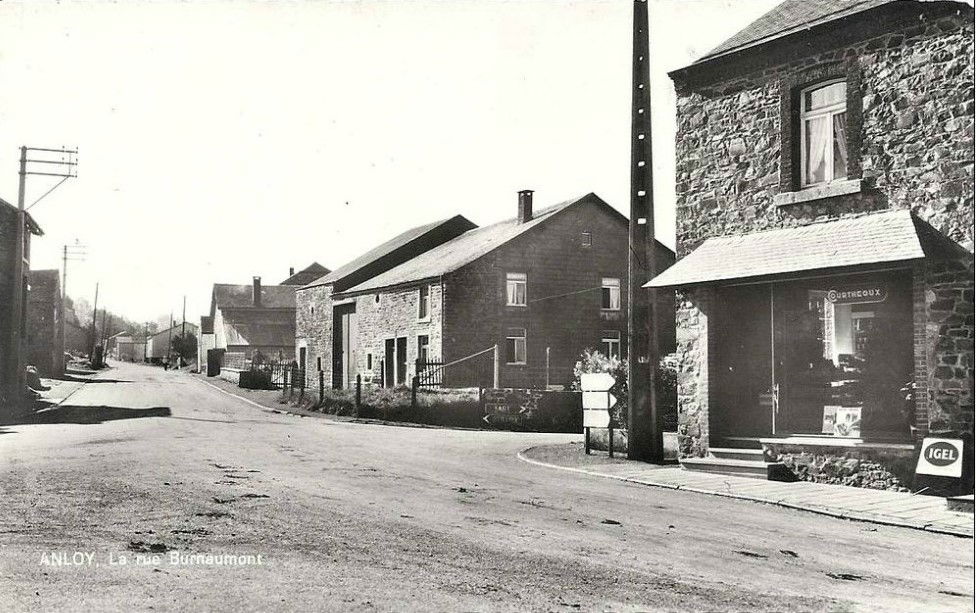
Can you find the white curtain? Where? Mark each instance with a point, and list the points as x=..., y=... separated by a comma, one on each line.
x=840, y=145
x=818, y=138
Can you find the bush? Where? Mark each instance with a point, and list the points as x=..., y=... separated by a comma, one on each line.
x=255, y=380
x=666, y=385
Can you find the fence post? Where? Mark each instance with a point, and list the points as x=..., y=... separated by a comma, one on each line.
x=413, y=391
x=359, y=392
x=497, y=369
x=547, y=367
x=321, y=387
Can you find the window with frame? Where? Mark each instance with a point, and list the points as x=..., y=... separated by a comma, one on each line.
x=823, y=133
x=586, y=239
x=515, y=346
x=610, y=343
x=515, y=289
x=423, y=304
x=423, y=348
x=610, y=294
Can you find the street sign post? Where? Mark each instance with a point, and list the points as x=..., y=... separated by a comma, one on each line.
x=597, y=402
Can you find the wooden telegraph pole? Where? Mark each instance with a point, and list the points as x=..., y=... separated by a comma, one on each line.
x=644, y=433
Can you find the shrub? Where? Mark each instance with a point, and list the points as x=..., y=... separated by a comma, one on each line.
x=666, y=385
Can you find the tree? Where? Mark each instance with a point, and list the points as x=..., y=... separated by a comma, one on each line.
x=185, y=346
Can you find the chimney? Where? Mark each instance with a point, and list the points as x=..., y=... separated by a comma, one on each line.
x=525, y=206
x=256, y=294
x=291, y=271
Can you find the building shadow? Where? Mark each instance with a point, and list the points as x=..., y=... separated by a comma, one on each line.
x=77, y=414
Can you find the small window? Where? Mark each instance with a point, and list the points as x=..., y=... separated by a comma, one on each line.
x=318, y=363
x=311, y=310
x=823, y=133
x=610, y=299
x=376, y=298
x=515, y=289
x=515, y=346
x=423, y=348
x=611, y=343
x=369, y=361
x=423, y=304
x=586, y=239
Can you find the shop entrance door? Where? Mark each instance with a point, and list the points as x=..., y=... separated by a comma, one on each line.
x=743, y=362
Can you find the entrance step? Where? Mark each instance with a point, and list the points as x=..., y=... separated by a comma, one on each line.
x=756, y=469
x=736, y=453
x=960, y=504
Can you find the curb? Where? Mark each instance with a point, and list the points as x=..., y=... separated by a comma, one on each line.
x=788, y=505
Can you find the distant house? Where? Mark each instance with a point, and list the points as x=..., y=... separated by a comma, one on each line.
x=305, y=276
x=45, y=336
x=131, y=348
x=206, y=341
x=542, y=286
x=159, y=344
x=256, y=318
x=12, y=345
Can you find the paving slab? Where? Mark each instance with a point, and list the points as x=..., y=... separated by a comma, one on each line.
x=902, y=509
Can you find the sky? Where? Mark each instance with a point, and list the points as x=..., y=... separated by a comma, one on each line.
x=229, y=139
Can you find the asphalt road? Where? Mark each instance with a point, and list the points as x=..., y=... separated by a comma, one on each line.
x=367, y=517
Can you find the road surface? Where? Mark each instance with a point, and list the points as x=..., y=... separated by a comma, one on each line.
x=368, y=517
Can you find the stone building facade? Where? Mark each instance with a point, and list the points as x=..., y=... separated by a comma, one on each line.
x=452, y=301
x=748, y=161
x=45, y=333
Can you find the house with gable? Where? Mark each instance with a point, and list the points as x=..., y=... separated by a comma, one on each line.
x=825, y=233
x=541, y=286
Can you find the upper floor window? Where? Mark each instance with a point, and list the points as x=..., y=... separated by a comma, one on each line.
x=610, y=294
x=515, y=289
x=586, y=239
x=423, y=304
x=823, y=133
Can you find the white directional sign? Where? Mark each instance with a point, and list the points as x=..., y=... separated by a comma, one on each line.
x=596, y=382
x=597, y=399
x=940, y=456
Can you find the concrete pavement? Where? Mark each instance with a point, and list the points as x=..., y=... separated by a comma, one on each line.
x=365, y=517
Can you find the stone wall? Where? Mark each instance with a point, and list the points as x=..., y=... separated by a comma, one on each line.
x=393, y=316
x=533, y=409
x=8, y=234
x=949, y=338
x=879, y=469
x=45, y=345
x=914, y=147
x=313, y=327
x=909, y=74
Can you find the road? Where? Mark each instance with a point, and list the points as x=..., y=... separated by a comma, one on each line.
x=364, y=517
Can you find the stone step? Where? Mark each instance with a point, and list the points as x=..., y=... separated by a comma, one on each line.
x=735, y=453
x=740, y=442
x=960, y=504
x=739, y=468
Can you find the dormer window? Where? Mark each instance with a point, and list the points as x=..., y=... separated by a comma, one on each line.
x=823, y=133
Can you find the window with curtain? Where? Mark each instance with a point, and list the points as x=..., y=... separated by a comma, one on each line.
x=610, y=294
x=515, y=289
x=823, y=133
x=515, y=346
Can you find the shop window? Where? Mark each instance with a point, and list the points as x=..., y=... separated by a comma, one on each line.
x=515, y=289
x=610, y=294
x=611, y=343
x=823, y=134
x=423, y=304
x=515, y=346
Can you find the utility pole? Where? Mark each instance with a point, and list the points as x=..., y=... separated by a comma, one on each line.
x=169, y=343
x=645, y=440
x=179, y=358
x=14, y=365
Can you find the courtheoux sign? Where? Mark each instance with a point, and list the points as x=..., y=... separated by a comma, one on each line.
x=863, y=293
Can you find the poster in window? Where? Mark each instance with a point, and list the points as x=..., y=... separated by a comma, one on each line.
x=829, y=419
x=848, y=422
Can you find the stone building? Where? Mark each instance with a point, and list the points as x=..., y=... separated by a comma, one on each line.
x=257, y=319
x=542, y=286
x=825, y=230
x=45, y=334
x=12, y=345
x=159, y=344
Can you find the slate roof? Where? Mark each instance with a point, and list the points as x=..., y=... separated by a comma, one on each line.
x=790, y=17
x=177, y=329
x=31, y=223
x=307, y=275
x=260, y=333
x=229, y=296
x=387, y=248
x=879, y=238
x=466, y=248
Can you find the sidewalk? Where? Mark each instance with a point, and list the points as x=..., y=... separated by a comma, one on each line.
x=876, y=506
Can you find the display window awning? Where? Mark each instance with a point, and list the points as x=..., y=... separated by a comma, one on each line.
x=876, y=239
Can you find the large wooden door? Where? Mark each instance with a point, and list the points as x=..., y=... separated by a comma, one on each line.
x=350, y=341
x=389, y=363
x=401, y=360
